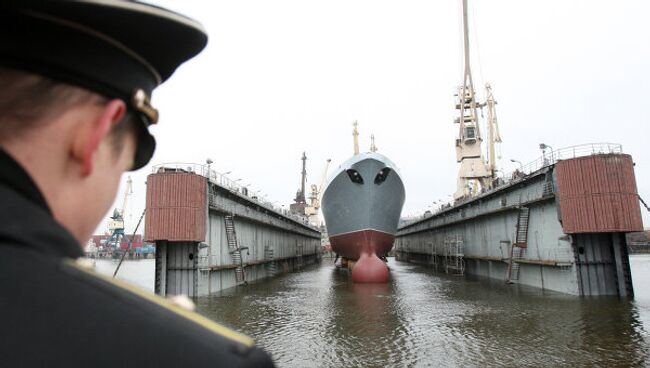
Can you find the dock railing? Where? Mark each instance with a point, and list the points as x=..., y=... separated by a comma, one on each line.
x=548, y=158
x=225, y=182
x=566, y=153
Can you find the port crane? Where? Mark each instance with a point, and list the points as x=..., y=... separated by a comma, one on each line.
x=298, y=207
x=116, y=224
x=315, y=197
x=474, y=171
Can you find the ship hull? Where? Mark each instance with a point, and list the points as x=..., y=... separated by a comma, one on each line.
x=361, y=205
x=351, y=245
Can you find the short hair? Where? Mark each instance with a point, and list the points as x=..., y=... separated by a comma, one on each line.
x=28, y=101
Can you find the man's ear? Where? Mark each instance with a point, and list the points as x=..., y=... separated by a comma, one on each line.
x=111, y=114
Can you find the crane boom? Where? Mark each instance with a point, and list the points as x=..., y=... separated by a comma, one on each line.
x=127, y=192
x=324, y=176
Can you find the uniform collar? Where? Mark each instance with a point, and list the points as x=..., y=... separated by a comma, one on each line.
x=25, y=219
x=15, y=177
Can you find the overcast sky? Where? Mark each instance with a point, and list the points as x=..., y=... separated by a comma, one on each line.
x=281, y=77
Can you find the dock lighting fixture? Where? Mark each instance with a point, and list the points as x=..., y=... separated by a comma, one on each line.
x=209, y=161
x=543, y=147
x=227, y=172
x=238, y=180
x=521, y=166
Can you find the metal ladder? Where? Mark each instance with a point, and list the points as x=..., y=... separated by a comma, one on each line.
x=234, y=249
x=518, y=248
x=299, y=256
x=625, y=259
x=455, y=263
x=271, y=267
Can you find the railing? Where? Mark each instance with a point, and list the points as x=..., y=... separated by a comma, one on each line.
x=552, y=157
x=547, y=159
x=227, y=183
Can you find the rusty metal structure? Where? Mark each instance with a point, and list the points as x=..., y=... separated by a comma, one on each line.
x=211, y=235
x=558, y=223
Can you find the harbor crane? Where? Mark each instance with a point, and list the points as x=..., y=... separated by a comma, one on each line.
x=299, y=205
x=315, y=197
x=116, y=224
x=474, y=170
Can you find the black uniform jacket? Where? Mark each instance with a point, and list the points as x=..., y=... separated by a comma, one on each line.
x=56, y=313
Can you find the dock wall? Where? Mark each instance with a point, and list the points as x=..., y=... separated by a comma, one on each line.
x=239, y=239
x=546, y=254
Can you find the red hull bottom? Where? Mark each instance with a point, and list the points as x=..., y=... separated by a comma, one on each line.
x=364, y=246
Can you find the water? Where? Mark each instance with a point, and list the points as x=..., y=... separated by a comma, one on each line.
x=140, y=272
x=318, y=318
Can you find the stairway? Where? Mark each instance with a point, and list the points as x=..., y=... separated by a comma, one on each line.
x=234, y=249
x=518, y=248
x=522, y=228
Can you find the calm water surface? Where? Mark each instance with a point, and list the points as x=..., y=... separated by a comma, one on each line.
x=318, y=318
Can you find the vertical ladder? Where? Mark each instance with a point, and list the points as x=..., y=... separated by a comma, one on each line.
x=625, y=260
x=299, y=253
x=157, y=287
x=234, y=249
x=455, y=262
x=271, y=267
x=518, y=248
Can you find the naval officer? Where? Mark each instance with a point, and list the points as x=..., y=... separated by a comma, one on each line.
x=76, y=79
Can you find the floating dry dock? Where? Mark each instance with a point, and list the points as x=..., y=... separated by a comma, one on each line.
x=559, y=224
x=211, y=235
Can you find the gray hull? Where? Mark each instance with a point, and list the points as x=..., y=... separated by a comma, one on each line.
x=365, y=194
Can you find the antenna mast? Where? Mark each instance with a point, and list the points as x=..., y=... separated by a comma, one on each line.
x=355, y=136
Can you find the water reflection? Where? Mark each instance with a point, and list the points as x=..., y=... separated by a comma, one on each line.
x=319, y=318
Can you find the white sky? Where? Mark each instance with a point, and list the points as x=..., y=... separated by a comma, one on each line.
x=279, y=77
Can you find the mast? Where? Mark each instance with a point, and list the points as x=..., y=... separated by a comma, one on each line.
x=373, y=147
x=355, y=136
